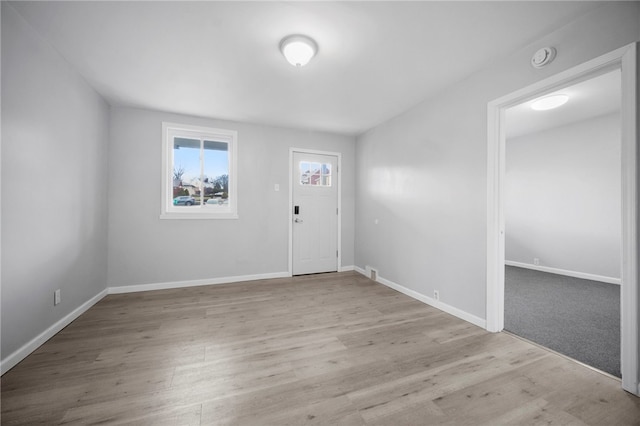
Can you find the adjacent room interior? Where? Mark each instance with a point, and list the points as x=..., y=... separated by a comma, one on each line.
x=199, y=228
x=563, y=229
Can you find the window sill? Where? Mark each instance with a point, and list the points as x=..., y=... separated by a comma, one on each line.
x=198, y=215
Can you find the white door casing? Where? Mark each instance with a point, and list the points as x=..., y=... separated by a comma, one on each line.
x=314, y=212
x=626, y=59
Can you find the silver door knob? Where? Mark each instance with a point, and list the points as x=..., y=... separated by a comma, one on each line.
x=296, y=220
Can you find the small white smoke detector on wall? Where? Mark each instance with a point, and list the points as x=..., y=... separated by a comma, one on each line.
x=543, y=57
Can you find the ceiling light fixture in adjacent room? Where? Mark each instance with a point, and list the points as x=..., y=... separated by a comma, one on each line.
x=549, y=102
x=298, y=49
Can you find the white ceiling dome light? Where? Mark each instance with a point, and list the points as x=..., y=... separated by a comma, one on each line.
x=549, y=102
x=298, y=49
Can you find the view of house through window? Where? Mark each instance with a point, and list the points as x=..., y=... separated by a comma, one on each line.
x=200, y=173
x=315, y=174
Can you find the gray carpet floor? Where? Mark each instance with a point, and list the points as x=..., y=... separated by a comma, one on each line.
x=578, y=318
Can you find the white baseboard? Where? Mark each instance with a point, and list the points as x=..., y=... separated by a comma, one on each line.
x=194, y=283
x=430, y=301
x=12, y=360
x=565, y=272
x=346, y=268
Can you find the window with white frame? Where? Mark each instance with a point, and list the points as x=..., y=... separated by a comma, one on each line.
x=198, y=173
x=315, y=174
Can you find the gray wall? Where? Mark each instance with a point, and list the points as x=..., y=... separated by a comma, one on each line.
x=144, y=249
x=54, y=185
x=423, y=174
x=563, y=197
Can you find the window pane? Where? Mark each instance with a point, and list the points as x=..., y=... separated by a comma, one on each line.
x=186, y=172
x=304, y=173
x=216, y=174
x=315, y=174
x=326, y=174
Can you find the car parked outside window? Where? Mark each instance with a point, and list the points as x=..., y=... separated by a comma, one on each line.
x=184, y=200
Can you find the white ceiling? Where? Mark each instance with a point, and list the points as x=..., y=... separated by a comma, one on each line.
x=221, y=59
x=588, y=99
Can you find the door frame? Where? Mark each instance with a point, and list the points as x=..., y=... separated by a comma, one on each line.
x=625, y=59
x=338, y=172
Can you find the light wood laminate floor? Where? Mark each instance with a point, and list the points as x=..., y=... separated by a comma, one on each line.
x=322, y=349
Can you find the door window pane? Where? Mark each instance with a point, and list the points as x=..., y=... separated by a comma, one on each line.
x=314, y=178
x=326, y=174
x=304, y=173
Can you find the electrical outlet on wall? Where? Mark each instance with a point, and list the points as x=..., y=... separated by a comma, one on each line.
x=56, y=297
x=536, y=261
x=436, y=294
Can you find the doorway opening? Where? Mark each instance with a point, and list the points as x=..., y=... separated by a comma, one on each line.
x=562, y=207
x=625, y=60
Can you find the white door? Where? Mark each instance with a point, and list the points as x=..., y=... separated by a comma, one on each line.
x=315, y=213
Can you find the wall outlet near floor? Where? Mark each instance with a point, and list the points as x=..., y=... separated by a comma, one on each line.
x=536, y=261
x=436, y=294
x=56, y=297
